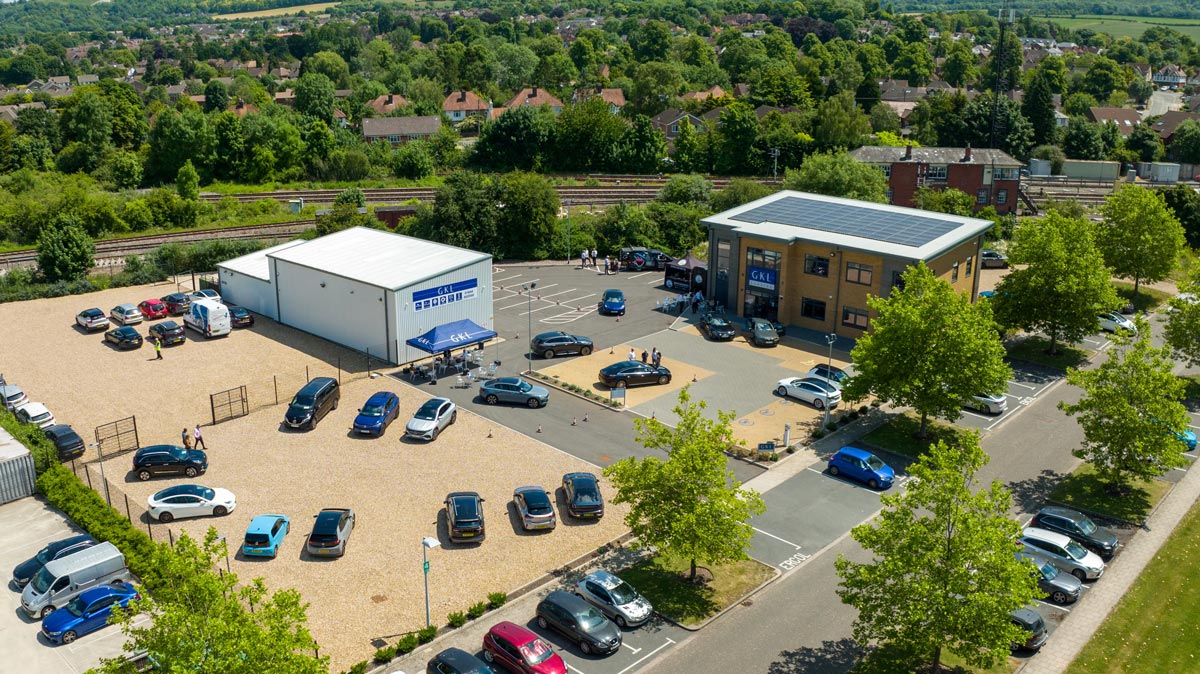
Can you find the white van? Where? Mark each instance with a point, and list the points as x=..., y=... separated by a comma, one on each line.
x=208, y=317
x=62, y=580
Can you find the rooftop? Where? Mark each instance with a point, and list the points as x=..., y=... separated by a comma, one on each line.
x=884, y=154
x=255, y=264
x=426, y=125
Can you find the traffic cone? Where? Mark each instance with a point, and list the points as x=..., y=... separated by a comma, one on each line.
x=693, y=378
x=574, y=421
x=489, y=432
x=539, y=430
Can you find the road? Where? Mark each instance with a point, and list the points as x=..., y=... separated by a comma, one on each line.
x=1162, y=101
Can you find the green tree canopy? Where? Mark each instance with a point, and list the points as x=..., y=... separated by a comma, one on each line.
x=840, y=123
x=949, y=200
x=1183, y=321
x=838, y=175
x=187, y=182
x=1082, y=140
x=65, y=252
x=528, y=217
x=314, y=96
x=1141, y=239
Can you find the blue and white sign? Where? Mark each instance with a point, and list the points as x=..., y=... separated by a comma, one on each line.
x=762, y=278
x=447, y=294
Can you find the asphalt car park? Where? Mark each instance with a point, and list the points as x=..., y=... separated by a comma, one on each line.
x=1029, y=381
x=639, y=647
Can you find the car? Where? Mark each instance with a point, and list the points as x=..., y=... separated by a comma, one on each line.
x=992, y=259
x=464, y=517
x=124, y=337
x=716, y=327
x=35, y=413
x=1187, y=437
x=534, y=506
x=1064, y=552
x=240, y=317
x=26, y=570
x=87, y=613
x=189, y=500
x=380, y=410
x=615, y=598
x=265, y=534
x=580, y=621
x=312, y=402
x=168, y=332
x=91, y=319
x=1061, y=588
x=634, y=373
x=582, y=494
x=815, y=392
x=988, y=403
x=519, y=650
x=168, y=460
x=177, y=304
x=513, y=390
x=12, y=396
x=628, y=255
x=457, y=661
x=126, y=314
x=859, y=464
x=1112, y=321
x=830, y=373
x=152, y=309
x=1034, y=626
x=435, y=416
x=1078, y=526
x=551, y=344
x=761, y=332
x=66, y=441
x=613, y=303
x=205, y=294
x=330, y=533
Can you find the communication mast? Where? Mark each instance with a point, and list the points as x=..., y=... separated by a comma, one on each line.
x=1001, y=85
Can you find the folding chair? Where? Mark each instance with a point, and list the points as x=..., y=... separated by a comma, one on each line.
x=490, y=373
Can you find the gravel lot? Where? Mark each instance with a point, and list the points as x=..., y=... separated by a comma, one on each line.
x=395, y=487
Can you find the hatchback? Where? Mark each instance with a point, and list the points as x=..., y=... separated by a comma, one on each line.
x=264, y=535
x=582, y=493
x=992, y=258
x=177, y=303
x=205, y=294
x=126, y=314
x=534, y=506
x=168, y=332
x=1111, y=321
x=35, y=413
x=815, y=392
x=1061, y=588
x=240, y=317
x=613, y=303
x=380, y=410
x=168, y=460
x=66, y=441
x=152, y=309
x=26, y=570
x=13, y=396
x=464, y=517
x=831, y=373
x=520, y=650
x=615, y=598
x=1064, y=552
x=988, y=403
x=92, y=319
x=87, y=613
x=1078, y=526
x=1034, y=626
x=124, y=337
x=456, y=661
x=331, y=532
x=861, y=465
x=551, y=344
x=580, y=621
x=435, y=416
x=513, y=390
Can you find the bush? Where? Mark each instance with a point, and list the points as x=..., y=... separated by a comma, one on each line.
x=497, y=599
x=843, y=420
x=853, y=415
x=876, y=403
x=385, y=654
x=864, y=409
x=426, y=634
x=477, y=610
x=359, y=668
x=457, y=619
x=791, y=450
x=831, y=426
x=407, y=644
x=818, y=434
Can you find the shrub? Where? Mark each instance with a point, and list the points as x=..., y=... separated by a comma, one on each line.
x=864, y=409
x=477, y=610
x=407, y=644
x=457, y=619
x=426, y=634
x=852, y=415
x=831, y=426
x=385, y=654
x=791, y=450
x=818, y=434
x=359, y=668
x=876, y=403
x=843, y=420
x=497, y=599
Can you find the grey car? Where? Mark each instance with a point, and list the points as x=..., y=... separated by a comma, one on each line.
x=1064, y=552
x=513, y=390
x=579, y=621
x=760, y=332
x=1078, y=526
x=534, y=506
x=331, y=532
x=1060, y=587
x=615, y=598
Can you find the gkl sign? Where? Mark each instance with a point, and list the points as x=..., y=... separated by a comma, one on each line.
x=456, y=338
x=447, y=294
x=762, y=278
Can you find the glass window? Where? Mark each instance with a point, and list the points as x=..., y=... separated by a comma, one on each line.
x=954, y=273
x=970, y=262
x=1001, y=197
x=855, y=318
x=722, y=257
x=890, y=193
x=816, y=265
x=981, y=197
x=858, y=273
x=936, y=172
x=898, y=280
x=814, y=309
x=887, y=170
x=763, y=259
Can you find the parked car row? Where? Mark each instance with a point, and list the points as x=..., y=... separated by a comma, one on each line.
x=202, y=311
x=534, y=506
x=66, y=441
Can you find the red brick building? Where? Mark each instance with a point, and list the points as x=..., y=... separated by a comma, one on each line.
x=991, y=176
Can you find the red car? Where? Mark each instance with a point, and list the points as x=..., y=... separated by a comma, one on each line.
x=152, y=309
x=520, y=650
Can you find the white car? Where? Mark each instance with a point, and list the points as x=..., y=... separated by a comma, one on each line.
x=206, y=294
x=13, y=396
x=126, y=314
x=92, y=319
x=1111, y=321
x=190, y=500
x=35, y=413
x=989, y=404
x=818, y=393
x=434, y=417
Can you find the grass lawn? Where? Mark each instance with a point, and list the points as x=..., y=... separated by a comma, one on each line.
x=892, y=660
x=1083, y=489
x=897, y=435
x=1131, y=26
x=1147, y=299
x=661, y=580
x=1154, y=627
x=1032, y=349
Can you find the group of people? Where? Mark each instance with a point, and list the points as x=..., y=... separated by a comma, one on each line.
x=592, y=259
x=193, y=439
x=652, y=357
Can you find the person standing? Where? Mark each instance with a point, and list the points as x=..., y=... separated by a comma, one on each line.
x=657, y=357
x=697, y=300
x=654, y=355
x=606, y=265
x=199, y=439
x=583, y=259
x=157, y=349
x=632, y=355
x=645, y=356
x=595, y=258
x=187, y=439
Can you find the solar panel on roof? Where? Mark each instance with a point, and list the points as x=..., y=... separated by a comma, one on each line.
x=905, y=229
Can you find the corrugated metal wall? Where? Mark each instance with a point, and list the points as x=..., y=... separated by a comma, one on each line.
x=342, y=310
x=253, y=293
x=17, y=477
x=410, y=323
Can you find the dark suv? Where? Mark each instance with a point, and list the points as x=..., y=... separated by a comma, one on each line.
x=582, y=493
x=318, y=398
x=1078, y=526
x=464, y=517
x=168, y=460
x=551, y=344
x=66, y=441
x=579, y=621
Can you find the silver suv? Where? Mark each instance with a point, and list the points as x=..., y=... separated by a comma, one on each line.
x=615, y=598
x=1065, y=553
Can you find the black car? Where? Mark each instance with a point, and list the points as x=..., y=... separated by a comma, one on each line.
x=464, y=517
x=124, y=337
x=551, y=344
x=717, y=327
x=1079, y=527
x=582, y=492
x=627, y=255
x=634, y=373
x=331, y=532
x=178, y=304
x=168, y=332
x=240, y=317
x=66, y=441
x=168, y=460
x=26, y=570
x=580, y=621
x=457, y=661
x=318, y=397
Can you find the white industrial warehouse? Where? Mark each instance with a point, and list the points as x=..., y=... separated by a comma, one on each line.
x=395, y=297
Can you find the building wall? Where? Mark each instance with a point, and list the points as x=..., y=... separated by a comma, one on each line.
x=409, y=322
x=969, y=178
x=255, y=294
x=345, y=311
x=904, y=183
x=943, y=266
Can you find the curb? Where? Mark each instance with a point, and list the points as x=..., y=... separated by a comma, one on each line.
x=556, y=384
x=733, y=605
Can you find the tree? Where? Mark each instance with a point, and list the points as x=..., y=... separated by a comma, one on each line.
x=739, y=191
x=838, y=175
x=1082, y=140
x=187, y=182
x=314, y=96
x=1146, y=143
x=654, y=85
x=1017, y=136
x=216, y=96
x=643, y=147
x=1104, y=77
x=1183, y=320
x=884, y=118
x=329, y=64
x=1140, y=239
x=527, y=220
x=686, y=189
x=1140, y=90
x=688, y=506
x=175, y=138
x=413, y=160
x=928, y=348
x=943, y=573
x=690, y=154
x=343, y=215
x=914, y=65
x=1184, y=202
x=519, y=139
x=840, y=123
x=1130, y=412
x=464, y=213
x=65, y=252
x=734, y=136
x=1185, y=144
x=589, y=137
x=949, y=200
x=1058, y=282
x=959, y=68
x=651, y=41
x=1038, y=107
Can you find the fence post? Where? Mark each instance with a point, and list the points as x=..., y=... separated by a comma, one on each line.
x=368, y=362
x=307, y=376
x=149, y=531
x=276, y=380
x=127, y=515
x=171, y=537
x=339, y=367
x=88, y=473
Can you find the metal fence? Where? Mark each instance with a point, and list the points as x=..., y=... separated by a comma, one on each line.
x=117, y=437
x=95, y=475
x=228, y=404
x=282, y=386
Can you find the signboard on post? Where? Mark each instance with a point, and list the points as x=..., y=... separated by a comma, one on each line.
x=616, y=393
x=426, y=567
x=766, y=446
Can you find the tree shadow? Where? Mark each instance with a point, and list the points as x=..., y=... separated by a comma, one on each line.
x=1031, y=493
x=831, y=657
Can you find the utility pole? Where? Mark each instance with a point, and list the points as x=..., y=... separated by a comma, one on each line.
x=1000, y=83
x=775, y=167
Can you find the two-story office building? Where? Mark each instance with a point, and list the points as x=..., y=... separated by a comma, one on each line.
x=992, y=177
x=811, y=260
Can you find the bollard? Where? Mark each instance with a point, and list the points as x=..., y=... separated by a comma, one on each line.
x=539, y=430
x=787, y=436
x=574, y=421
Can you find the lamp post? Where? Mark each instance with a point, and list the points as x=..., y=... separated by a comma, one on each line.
x=528, y=289
x=100, y=451
x=427, y=543
x=568, y=231
x=830, y=339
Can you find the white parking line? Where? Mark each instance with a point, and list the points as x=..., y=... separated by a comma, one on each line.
x=561, y=292
x=638, y=276
x=651, y=653
x=1052, y=605
x=572, y=302
x=782, y=540
x=654, y=282
x=1190, y=456
x=513, y=306
x=635, y=650
x=1194, y=426
x=534, y=311
x=1017, y=383
x=506, y=278
x=572, y=668
x=975, y=414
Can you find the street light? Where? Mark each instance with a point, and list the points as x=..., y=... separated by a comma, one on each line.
x=100, y=451
x=528, y=288
x=427, y=543
x=568, y=231
x=830, y=339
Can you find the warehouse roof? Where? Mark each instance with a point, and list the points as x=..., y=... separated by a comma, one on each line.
x=861, y=225
x=378, y=258
x=255, y=264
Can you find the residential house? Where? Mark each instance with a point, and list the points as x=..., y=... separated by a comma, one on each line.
x=1124, y=118
x=82, y=80
x=1143, y=71
x=614, y=96
x=174, y=91
x=1169, y=122
x=991, y=176
x=10, y=112
x=536, y=97
x=669, y=120
x=286, y=97
x=900, y=90
x=714, y=92
x=462, y=104
x=387, y=104
x=1061, y=120
x=242, y=108
x=400, y=130
x=1170, y=75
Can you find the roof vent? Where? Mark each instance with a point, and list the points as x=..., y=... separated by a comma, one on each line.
x=967, y=155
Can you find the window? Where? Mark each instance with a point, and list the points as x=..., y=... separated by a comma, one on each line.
x=898, y=280
x=1008, y=173
x=1001, y=197
x=858, y=273
x=981, y=197
x=855, y=318
x=887, y=171
x=816, y=265
x=890, y=194
x=936, y=172
x=970, y=261
x=954, y=273
x=814, y=309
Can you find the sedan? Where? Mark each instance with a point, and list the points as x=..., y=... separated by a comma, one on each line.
x=634, y=373
x=613, y=303
x=582, y=493
x=205, y=294
x=168, y=460
x=380, y=410
x=761, y=332
x=830, y=373
x=992, y=259
x=513, y=390
x=434, y=417
x=35, y=413
x=168, y=332
x=152, y=309
x=177, y=303
x=988, y=403
x=615, y=598
x=92, y=319
x=551, y=344
x=190, y=500
x=579, y=621
x=1111, y=321
x=534, y=506
x=126, y=314
x=240, y=317
x=861, y=465
x=124, y=337
x=26, y=570
x=331, y=532
x=87, y=613
x=716, y=327
x=264, y=535
x=815, y=392
x=12, y=396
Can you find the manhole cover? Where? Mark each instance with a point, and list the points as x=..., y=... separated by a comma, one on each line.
x=767, y=413
x=379, y=598
x=745, y=422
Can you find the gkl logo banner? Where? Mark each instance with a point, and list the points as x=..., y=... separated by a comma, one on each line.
x=447, y=294
x=762, y=278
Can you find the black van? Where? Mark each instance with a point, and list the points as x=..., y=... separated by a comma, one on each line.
x=318, y=397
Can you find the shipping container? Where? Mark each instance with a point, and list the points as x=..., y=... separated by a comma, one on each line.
x=17, y=473
x=1091, y=170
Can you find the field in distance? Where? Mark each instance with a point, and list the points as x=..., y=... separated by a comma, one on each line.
x=1128, y=26
x=278, y=11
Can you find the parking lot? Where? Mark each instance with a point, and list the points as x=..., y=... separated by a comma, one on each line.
x=1029, y=381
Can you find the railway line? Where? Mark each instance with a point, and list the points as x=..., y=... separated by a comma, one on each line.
x=575, y=194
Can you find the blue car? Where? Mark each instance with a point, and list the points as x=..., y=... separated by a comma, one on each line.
x=613, y=303
x=265, y=535
x=380, y=410
x=861, y=465
x=86, y=613
x=1189, y=438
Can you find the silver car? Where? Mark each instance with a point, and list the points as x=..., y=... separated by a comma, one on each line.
x=1060, y=587
x=434, y=417
x=13, y=396
x=820, y=394
x=1111, y=321
x=535, y=508
x=615, y=598
x=1064, y=552
x=126, y=314
x=988, y=403
x=513, y=390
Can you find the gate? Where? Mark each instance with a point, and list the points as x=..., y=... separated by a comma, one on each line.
x=118, y=437
x=229, y=404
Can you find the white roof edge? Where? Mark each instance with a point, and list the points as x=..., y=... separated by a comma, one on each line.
x=255, y=264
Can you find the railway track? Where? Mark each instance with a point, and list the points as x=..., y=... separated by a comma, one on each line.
x=576, y=195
